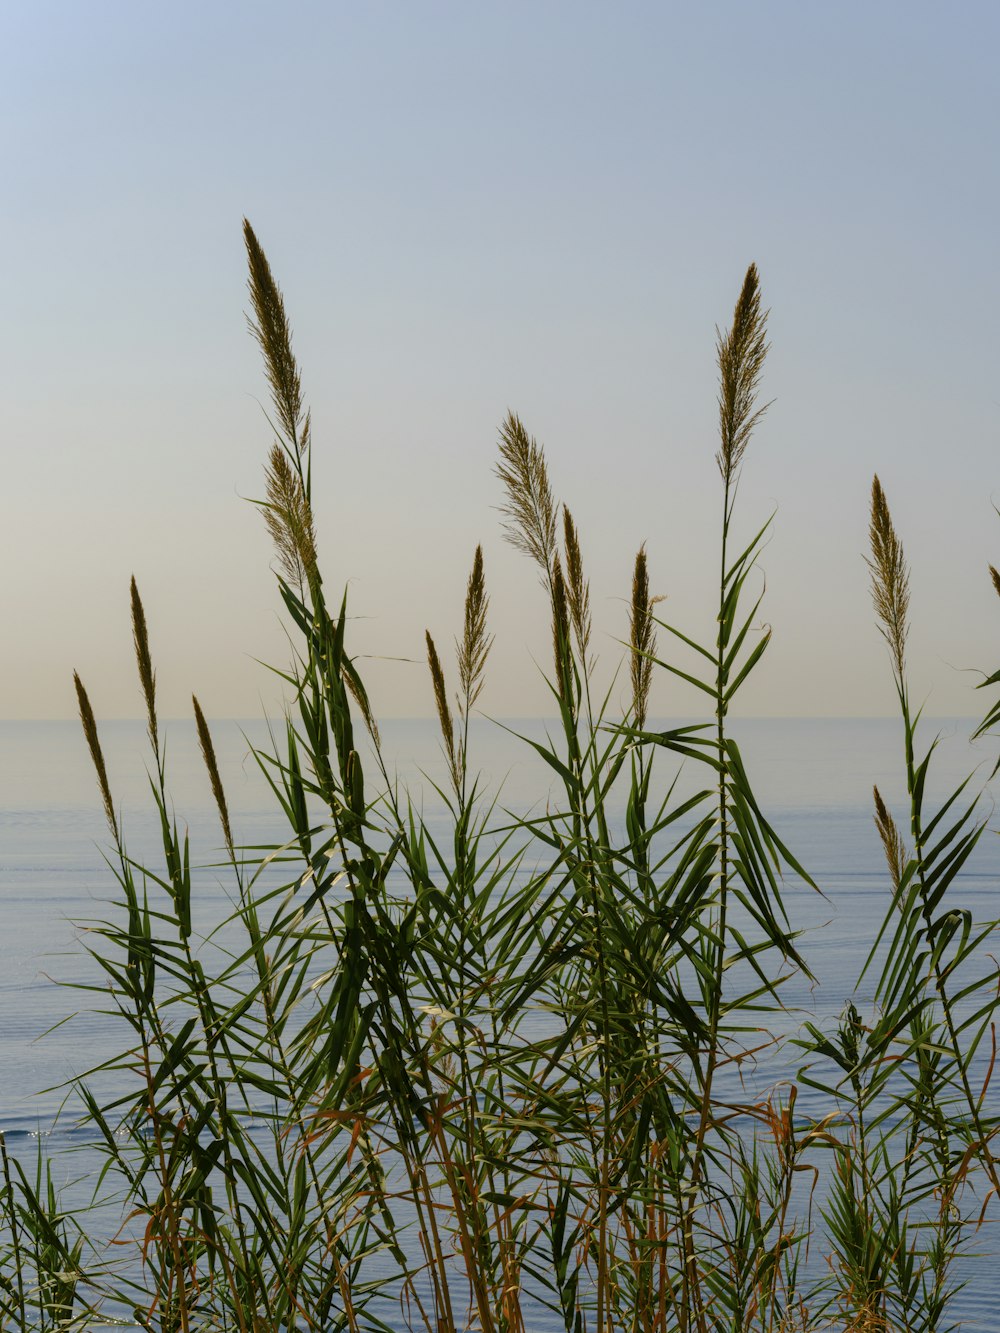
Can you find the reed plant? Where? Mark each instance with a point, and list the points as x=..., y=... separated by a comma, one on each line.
x=498, y=1078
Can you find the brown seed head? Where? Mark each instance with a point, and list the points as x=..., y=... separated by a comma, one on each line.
x=530, y=508
x=892, y=842
x=208, y=754
x=147, y=676
x=288, y=516
x=577, y=587
x=995, y=576
x=890, y=578
x=643, y=638
x=476, y=643
x=360, y=697
x=96, y=754
x=269, y=326
x=741, y=354
x=560, y=628
x=443, y=711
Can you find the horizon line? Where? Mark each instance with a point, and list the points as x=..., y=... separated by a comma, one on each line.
x=525, y=717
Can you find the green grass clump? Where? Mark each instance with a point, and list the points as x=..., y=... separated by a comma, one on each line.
x=461, y=1081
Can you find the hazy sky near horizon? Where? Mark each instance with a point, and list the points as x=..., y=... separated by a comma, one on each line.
x=470, y=208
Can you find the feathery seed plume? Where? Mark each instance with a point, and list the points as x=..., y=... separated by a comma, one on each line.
x=643, y=637
x=444, y=713
x=890, y=578
x=741, y=354
x=560, y=628
x=530, y=508
x=360, y=697
x=288, y=516
x=269, y=326
x=577, y=587
x=208, y=754
x=140, y=637
x=475, y=645
x=892, y=842
x=94, y=745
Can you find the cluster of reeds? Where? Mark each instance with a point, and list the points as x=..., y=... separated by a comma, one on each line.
x=495, y=1080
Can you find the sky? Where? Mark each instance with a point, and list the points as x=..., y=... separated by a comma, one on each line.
x=547, y=208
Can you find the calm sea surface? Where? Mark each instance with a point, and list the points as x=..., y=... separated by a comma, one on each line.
x=813, y=778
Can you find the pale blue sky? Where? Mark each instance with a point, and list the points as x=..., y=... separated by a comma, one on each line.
x=472, y=207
